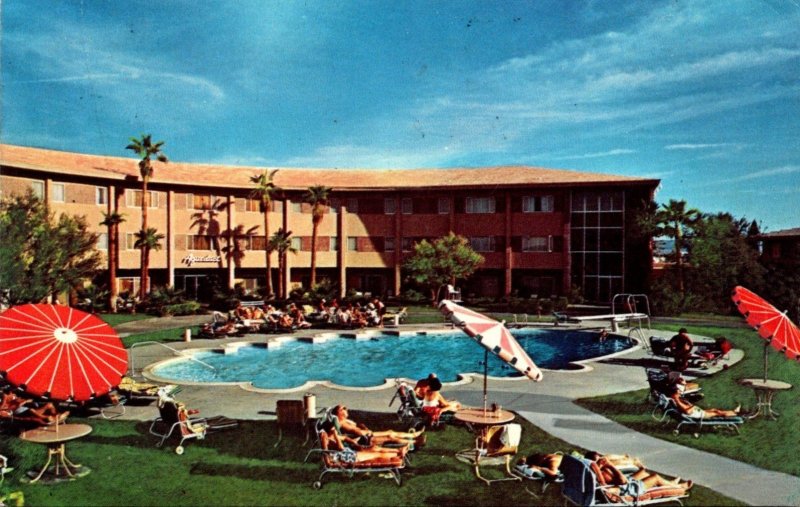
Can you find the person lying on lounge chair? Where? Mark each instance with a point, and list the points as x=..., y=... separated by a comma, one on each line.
x=545, y=464
x=14, y=407
x=330, y=440
x=365, y=436
x=635, y=484
x=694, y=411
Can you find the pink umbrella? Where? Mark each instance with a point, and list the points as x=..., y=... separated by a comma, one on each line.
x=494, y=337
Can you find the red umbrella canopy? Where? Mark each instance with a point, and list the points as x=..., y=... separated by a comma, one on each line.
x=771, y=324
x=59, y=352
x=493, y=335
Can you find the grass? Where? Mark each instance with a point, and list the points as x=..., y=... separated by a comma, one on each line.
x=242, y=467
x=763, y=442
x=115, y=319
x=161, y=336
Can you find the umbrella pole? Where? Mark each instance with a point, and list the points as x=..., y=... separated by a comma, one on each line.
x=485, y=376
x=766, y=346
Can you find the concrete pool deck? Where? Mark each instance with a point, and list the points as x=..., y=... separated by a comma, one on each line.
x=548, y=404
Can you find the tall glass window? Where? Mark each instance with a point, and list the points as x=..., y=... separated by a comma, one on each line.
x=479, y=205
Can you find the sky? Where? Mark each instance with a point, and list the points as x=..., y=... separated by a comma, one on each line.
x=702, y=95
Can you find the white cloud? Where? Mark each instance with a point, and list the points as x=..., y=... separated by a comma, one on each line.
x=609, y=153
x=697, y=146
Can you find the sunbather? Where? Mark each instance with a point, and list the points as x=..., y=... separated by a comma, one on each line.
x=14, y=407
x=545, y=464
x=330, y=440
x=635, y=484
x=365, y=436
x=694, y=411
x=433, y=398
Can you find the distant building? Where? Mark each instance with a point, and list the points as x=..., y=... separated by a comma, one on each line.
x=780, y=247
x=540, y=230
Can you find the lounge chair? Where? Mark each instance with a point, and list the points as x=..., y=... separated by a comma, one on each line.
x=394, y=319
x=174, y=419
x=410, y=408
x=670, y=409
x=664, y=382
x=581, y=487
x=495, y=446
x=331, y=464
x=527, y=473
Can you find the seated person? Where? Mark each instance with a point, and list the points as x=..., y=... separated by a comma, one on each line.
x=681, y=346
x=286, y=322
x=540, y=465
x=365, y=436
x=359, y=318
x=696, y=412
x=298, y=318
x=433, y=398
x=422, y=385
x=258, y=314
x=14, y=407
x=636, y=484
x=331, y=440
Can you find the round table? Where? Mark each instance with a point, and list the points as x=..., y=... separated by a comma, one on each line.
x=765, y=390
x=481, y=418
x=55, y=438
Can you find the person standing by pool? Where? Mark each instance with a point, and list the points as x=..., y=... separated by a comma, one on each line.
x=681, y=345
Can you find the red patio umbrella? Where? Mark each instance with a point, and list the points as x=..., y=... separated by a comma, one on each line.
x=772, y=325
x=60, y=353
x=494, y=337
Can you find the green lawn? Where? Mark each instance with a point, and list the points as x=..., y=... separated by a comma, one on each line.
x=115, y=319
x=242, y=467
x=763, y=442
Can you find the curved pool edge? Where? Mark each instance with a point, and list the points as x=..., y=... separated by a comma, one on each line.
x=148, y=372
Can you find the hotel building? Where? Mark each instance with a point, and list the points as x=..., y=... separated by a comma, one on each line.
x=541, y=231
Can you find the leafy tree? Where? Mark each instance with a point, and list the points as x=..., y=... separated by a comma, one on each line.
x=112, y=221
x=146, y=241
x=265, y=190
x=676, y=221
x=445, y=260
x=721, y=258
x=41, y=256
x=317, y=197
x=281, y=242
x=146, y=149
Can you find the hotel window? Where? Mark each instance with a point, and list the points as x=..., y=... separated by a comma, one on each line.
x=482, y=243
x=102, y=241
x=57, y=193
x=101, y=195
x=537, y=243
x=334, y=205
x=389, y=206
x=257, y=243
x=444, y=205
x=333, y=244
x=480, y=205
x=133, y=198
x=352, y=243
x=388, y=244
x=251, y=204
x=407, y=244
x=38, y=188
x=130, y=241
x=407, y=206
x=297, y=206
x=199, y=242
x=200, y=201
x=297, y=243
x=128, y=286
x=352, y=205
x=543, y=203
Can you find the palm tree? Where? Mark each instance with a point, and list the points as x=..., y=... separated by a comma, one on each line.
x=281, y=242
x=317, y=197
x=676, y=222
x=112, y=221
x=146, y=149
x=265, y=190
x=146, y=241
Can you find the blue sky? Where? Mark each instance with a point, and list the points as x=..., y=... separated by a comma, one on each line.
x=703, y=95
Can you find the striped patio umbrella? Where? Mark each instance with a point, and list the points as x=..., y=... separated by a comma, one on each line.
x=494, y=337
x=60, y=353
x=772, y=325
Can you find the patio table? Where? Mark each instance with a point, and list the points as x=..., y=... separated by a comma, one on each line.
x=55, y=438
x=765, y=390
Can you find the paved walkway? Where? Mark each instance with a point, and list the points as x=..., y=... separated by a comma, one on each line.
x=547, y=404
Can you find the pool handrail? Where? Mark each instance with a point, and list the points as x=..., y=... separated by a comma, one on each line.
x=175, y=351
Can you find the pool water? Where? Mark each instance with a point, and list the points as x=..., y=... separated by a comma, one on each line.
x=364, y=363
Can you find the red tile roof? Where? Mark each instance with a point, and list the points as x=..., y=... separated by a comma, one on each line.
x=785, y=233
x=180, y=173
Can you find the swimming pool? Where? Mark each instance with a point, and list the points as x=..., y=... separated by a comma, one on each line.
x=369, y=362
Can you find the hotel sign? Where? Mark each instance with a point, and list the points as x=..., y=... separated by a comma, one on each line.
x=191, y=259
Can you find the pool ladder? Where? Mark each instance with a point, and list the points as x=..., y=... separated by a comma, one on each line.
x=174, y=351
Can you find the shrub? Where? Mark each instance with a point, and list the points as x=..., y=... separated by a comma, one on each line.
x=187, y=308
